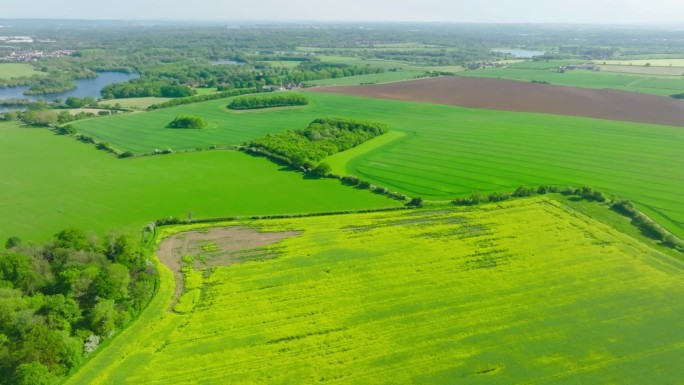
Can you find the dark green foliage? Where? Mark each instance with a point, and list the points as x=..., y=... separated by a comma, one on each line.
x=278, y=100
x=127, y=154
x=55, y=297
x=415, y=202
x=66, y=130
x=647, y=226
x=524, y=191
x=321, y=170
x=49, y=85
x=12, y=242
x=133, y=88
x=677, y=96
x=188, y=121
x=39, y=118
x=350, y=180
x=176, y=91
x=303, y=149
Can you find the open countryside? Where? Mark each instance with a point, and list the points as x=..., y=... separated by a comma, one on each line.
x=359, y=202
x=487, y=295
x=448, y=151
x=90, y=189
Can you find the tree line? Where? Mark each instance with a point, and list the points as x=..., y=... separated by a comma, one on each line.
x=59, y=301
x=278, y=100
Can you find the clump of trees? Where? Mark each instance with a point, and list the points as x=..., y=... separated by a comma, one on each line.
x=678, y=96
x=49, y=85
x=278, y=100
x=58, y=301
x=188, y=121
x=144, y=88
x=303, y=149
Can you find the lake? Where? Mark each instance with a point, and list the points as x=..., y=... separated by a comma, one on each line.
x=521, y=53
x=84, y=87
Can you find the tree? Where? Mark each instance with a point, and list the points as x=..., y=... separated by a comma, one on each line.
x=12, y=242
x=103, y=317
x=321, y=170
x=33, y=373
x=74, y=102
x=10, y=116
x=416, y=202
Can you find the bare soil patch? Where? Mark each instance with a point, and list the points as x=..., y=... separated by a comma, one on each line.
x=221, y=246
x=509, y=95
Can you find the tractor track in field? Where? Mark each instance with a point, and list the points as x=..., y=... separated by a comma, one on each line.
x=511, y=95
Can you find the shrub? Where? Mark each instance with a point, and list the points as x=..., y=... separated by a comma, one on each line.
x=350, y=180
x=126, y=154
x=323, y=169
x=415, y=202
x=66, y=130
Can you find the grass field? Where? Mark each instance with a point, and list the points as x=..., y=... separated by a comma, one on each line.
x=642, y=62
x=359, y=61
x=15, y=70
x=529, y=292
x=385, y=77
x=134, y=103
x=449, y=151
x=642, y=70
x=649, y=84
x=51, y=182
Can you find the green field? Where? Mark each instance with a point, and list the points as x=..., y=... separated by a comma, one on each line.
x=384, y=77
x=528, y=292
x=15, y=70
x=51, y=182
x=642, y=62
x=359, y=61
x=449, y=151
x=643, y=70
x=648, y=84
x=135, y=103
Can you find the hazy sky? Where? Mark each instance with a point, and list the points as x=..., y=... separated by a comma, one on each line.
x=496, y=11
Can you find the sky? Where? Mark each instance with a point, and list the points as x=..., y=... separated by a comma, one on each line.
x=472, y=11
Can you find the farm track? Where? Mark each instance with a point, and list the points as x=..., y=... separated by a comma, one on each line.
x=510, y=95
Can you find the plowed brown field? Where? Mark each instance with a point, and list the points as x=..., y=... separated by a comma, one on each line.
x=508, y=95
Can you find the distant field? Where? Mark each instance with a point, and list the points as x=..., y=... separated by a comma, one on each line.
x=136, y=103
x=51, y=182
x=652, y=62
x=14, y=70
x=283, y=63
x=642, y=70
x=358, y=61
x=528, y=292
x=657, y=85
x=202, y=91
x=385, y=77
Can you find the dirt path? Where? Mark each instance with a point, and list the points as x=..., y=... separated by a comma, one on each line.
x=221, y=246
x=509, y=95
